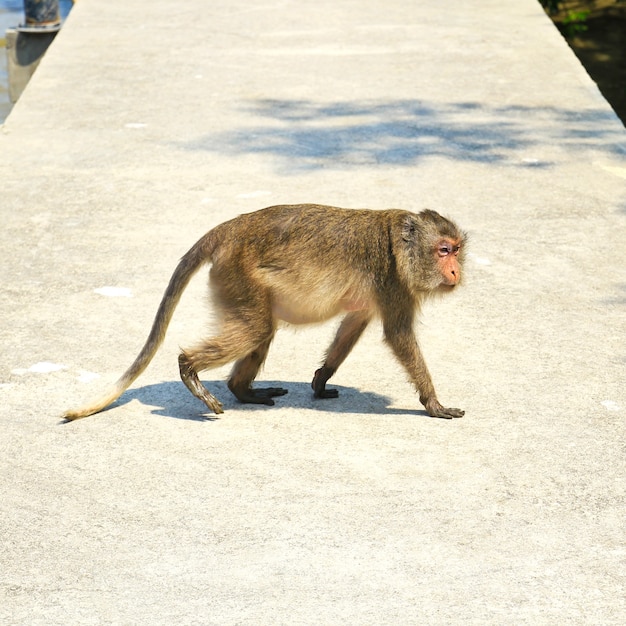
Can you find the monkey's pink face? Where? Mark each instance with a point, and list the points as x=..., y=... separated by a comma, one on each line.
x=447, y=255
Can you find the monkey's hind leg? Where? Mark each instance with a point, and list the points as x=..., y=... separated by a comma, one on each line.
x=246, y=336
x=350, y=329
x=245, y=371
x=190, y=377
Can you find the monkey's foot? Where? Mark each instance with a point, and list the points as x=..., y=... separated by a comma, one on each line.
x=202, y=393
x=190, y=377
x=435, y=409
x=262, y=395
x=319, y=383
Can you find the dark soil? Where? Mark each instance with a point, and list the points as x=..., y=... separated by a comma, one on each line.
x=598, y=38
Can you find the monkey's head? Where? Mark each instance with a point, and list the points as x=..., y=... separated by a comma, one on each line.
x=437, y=251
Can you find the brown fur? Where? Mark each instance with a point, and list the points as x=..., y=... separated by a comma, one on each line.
x=303, y=264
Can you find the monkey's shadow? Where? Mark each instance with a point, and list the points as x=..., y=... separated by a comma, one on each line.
x=172, y=399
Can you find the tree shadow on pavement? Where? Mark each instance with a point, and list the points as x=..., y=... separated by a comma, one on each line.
x=306, y=135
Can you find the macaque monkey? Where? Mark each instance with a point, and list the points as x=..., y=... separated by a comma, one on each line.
x=303, y=264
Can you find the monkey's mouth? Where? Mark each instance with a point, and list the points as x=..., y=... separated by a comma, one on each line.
x=445, y=288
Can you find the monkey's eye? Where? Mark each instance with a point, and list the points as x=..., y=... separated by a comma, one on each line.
x=447, y=247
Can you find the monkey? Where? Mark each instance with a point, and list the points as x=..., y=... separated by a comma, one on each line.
x=303, y=264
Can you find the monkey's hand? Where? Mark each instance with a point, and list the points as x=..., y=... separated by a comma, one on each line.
x=435, y=409
x=319, y=383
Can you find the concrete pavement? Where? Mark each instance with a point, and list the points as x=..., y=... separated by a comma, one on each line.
x=146, y=124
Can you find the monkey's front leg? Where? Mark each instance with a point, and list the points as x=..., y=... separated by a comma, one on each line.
x=409, y=354
x=350, y=329
x=190, y=377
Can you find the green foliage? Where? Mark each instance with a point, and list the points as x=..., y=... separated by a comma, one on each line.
x=575, y=22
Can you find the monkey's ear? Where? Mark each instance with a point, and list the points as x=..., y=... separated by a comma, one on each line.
x=408, y=229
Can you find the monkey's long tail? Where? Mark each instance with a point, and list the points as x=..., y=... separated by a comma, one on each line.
x=193, y=260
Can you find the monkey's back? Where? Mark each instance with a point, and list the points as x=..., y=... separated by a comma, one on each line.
x=313, y=233
x=314, y=260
